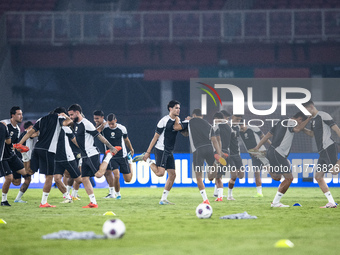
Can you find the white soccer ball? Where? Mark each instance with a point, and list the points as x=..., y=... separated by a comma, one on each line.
x=204, y=211
x=114, y=228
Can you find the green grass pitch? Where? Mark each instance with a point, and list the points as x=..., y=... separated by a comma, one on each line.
x=174, y=229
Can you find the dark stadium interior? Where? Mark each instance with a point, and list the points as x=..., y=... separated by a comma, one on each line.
x=119, y=55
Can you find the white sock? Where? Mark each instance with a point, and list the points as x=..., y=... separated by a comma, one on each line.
x=165, y=195
x=74, y=193
x=203, y=194
x=149, y=161
x=4, y=197
x=329, y=197
x=230, y=192
x=215, y=190
x=68, y=189
x=111, y=190
x=93, y=199
x=220, y=192
x=259, y=189
x=19, y=196
x=67, y=195
x=277, y=197
x=108, y=157
x=118, y=193
x=44, y=198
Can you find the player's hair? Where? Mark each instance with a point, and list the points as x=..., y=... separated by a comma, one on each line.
x=310, y=102
x=75, y=107
x=300, y=114
x=197, y=112
x=218, y=115
x=172, y=103
x=111, y=117
x=14, y=110
x=98, y=113
x=28, y=124
x=238, y=115
x=225, y=113
x=60, y=110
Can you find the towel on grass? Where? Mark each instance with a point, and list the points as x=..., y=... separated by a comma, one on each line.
x=73, y=235
x=238, y=216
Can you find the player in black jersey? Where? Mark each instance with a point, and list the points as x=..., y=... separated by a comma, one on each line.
x=164, y=142
x=85, y=133
x=117, y=135
x=14, y=167
x=250, y=137
x=43, y=155
x=283, y=134
x=321, y=125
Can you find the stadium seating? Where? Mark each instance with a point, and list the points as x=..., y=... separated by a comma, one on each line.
x=176, y=5
x=293, y=4
x=27, y=5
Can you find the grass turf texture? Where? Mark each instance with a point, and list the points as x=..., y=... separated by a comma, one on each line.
x=174, y=229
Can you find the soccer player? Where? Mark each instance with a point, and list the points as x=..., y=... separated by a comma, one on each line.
x=278, y=152
x=164, y=142
x=65, y=160
x=43, y=155
x=85, y=133
x=117, y=135
x=321, y=125
x=26, y=159
x=250, y=137
x=11, y=160
x=202, y=142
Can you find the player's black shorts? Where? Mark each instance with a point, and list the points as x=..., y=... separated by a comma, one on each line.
x=205, y=153
x=278, y=163
x=4, y=168
x=15, y=164
x=119, y=163
x=43, y=161
x=328, y=158
x=235, y=161
x=258, y=164
x=90, y=165
x=165, y=159
x=70, y=166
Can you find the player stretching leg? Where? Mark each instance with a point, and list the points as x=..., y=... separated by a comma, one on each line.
x=85, y=133
x=164, y=142
x=279, y=150
x=321, y=125
x=251, y=136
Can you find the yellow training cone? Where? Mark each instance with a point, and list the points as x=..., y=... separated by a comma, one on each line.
x=109, y=213
x=2, y=221
x=284, y=243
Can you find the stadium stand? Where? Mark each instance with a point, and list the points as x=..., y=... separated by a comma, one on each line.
x=27, y=5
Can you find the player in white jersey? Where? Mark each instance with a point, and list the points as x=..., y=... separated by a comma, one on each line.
x=283, y=134
x=322, y=124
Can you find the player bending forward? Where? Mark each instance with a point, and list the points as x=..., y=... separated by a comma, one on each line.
x=279, y=150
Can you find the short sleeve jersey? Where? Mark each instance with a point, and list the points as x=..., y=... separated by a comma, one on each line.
x=85, y=133
x=167, y=138
x=49, y=128
x=234, y=146
x=14, y=133
x=251, y=138
x=64, y=150
x=4, y=134
x=200, y=133
x=283, y=137
x=116, y=137
x=321, y=125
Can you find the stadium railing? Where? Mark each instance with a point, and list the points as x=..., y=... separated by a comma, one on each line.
x=57, y=28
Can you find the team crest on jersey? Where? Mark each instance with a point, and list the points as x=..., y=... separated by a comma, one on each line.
x=313, y=123
x=76, y=129
x=12, y=133
x=112, y=134
x=246, y=136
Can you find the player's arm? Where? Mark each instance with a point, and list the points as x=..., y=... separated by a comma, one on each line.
x=129, y=145
x=67, y=120
x=28, y=135
x=101, y=127
x=107, y=143
x=263, y=141
x=216, y=141
x=336, y=129
x=8, y=141
x=302, y=125
x=308, y=132
x=177, y=125
x=152, y=144
x=268, y=141
x=74, y=140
